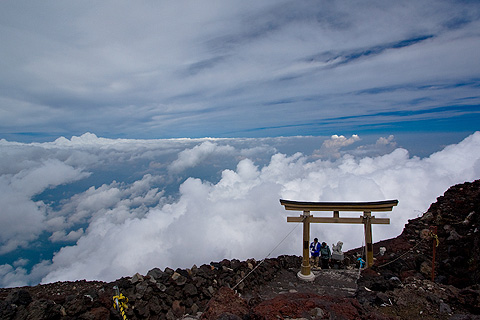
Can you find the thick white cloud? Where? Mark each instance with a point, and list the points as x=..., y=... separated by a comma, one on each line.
x=121, y=227
x=340, y=141
x=240, y=216
x=18, y=276
x=191, y=157
x=61, y=236
x=331, y=147
x=22, y=220
x=386, y=141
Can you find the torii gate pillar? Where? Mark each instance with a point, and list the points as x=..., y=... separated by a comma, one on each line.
x=305, y=272
x=367, y=226
x=367, y=220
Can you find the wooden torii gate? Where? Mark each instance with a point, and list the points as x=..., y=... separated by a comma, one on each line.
x=367, y=220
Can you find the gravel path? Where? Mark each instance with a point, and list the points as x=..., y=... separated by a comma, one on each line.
x=332, y=282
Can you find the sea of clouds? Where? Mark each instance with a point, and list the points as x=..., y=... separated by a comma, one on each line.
x=99, y=209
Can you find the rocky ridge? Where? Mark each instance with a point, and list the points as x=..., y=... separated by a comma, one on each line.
x=167, y=294
x=398, y=286
x=400, y=282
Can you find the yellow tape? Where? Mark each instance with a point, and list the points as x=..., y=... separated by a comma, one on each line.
x=120, y=302
x=121, y=297
x=436, y=238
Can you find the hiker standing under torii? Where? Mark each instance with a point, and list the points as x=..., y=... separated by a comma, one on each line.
x=315, y=252
x=326, y=255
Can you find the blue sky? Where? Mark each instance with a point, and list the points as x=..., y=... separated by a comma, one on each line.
x=228, y=69
x=172, y=123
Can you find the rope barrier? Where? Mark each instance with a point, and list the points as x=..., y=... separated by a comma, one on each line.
x=258, y=265
x=120, y=302
x=413, y=248
x=431, y=234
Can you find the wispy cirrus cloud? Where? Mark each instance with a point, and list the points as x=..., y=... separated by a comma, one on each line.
x=235, y=69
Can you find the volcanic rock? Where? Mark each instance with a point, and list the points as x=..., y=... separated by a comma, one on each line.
x=226, y=304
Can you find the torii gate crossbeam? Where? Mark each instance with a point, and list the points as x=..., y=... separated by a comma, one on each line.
x=367, y=220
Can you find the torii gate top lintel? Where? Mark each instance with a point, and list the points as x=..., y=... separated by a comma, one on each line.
x=367, y=220
x=386, y=205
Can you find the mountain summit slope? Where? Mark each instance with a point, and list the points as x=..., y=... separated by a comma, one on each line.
x=400, y=280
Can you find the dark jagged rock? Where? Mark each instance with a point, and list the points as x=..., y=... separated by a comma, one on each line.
x=167, y=294
x=19, y=297
x=155, y=273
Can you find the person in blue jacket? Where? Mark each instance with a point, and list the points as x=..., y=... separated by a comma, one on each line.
x=315, y=252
